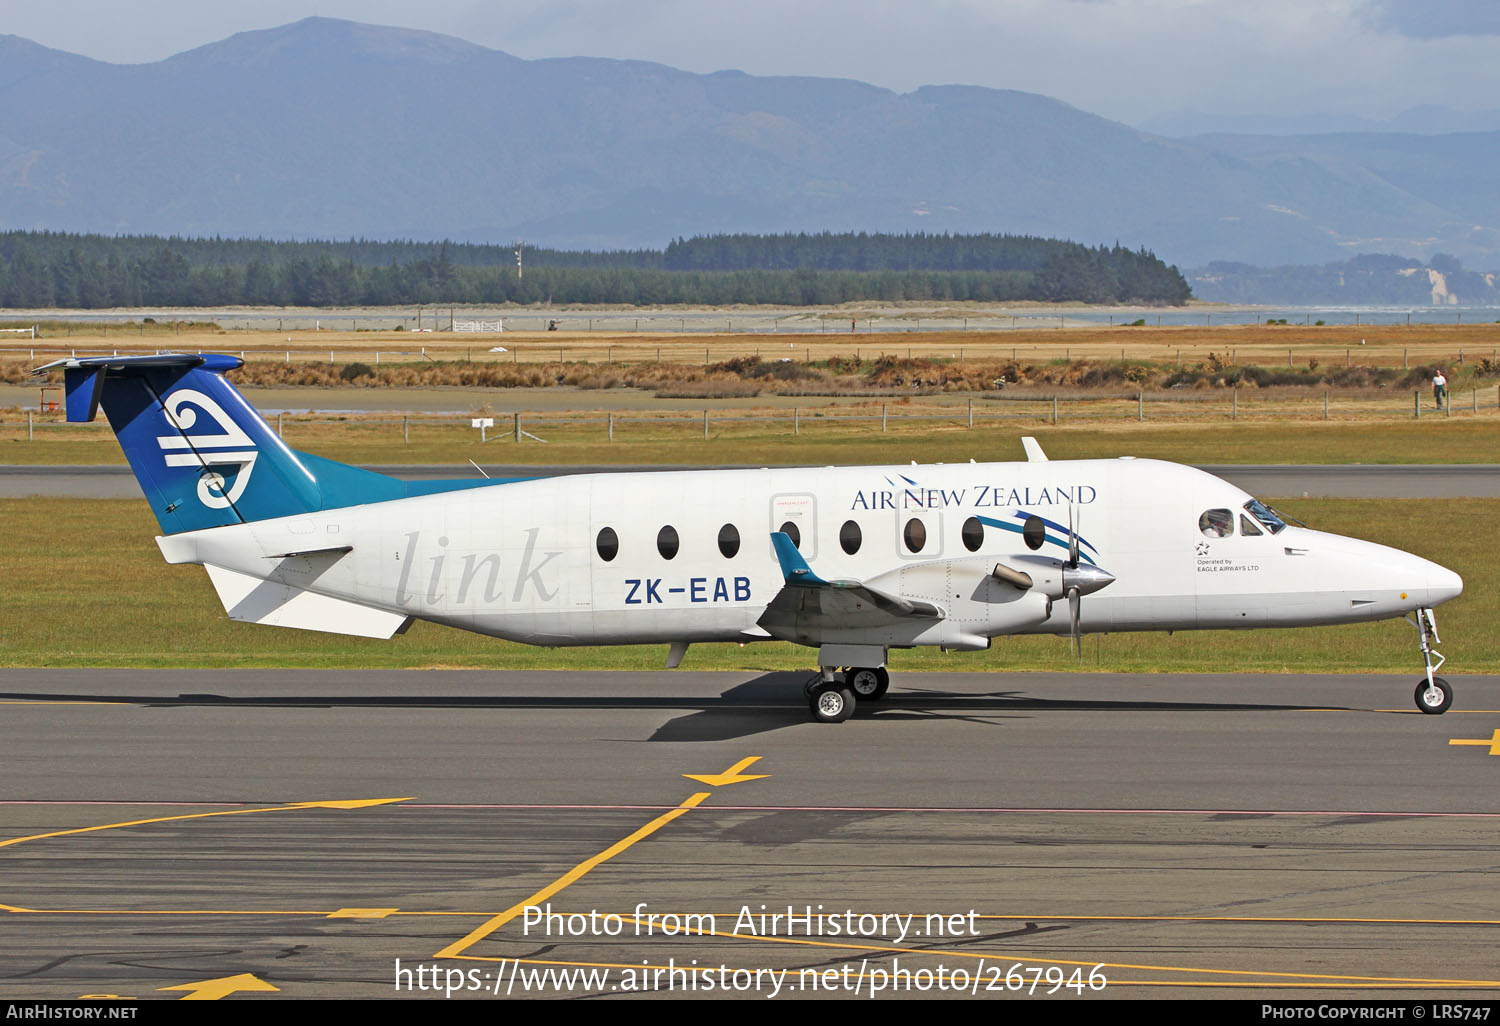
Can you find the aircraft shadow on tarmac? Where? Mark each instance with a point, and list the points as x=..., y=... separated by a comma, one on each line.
x=772, y=701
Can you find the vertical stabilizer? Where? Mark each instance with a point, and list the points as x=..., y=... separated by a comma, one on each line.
x=202, y=454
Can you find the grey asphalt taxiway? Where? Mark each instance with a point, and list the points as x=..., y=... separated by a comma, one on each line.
x=1212, y=835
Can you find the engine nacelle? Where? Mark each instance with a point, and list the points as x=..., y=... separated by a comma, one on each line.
x=978, y=605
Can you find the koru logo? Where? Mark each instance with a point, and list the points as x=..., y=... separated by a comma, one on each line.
x=223, y=444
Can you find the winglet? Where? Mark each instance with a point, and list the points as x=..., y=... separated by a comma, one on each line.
x=793, y=567
x=1033, y=449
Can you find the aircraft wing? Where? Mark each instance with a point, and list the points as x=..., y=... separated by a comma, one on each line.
x=808, y=601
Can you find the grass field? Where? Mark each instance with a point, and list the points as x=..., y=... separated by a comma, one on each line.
x=86, y=586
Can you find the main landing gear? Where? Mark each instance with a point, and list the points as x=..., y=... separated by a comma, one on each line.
x=1434, y=694
x=868, y=682
x=832, y=695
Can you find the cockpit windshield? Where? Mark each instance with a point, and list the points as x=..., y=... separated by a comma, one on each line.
x=1266, y=515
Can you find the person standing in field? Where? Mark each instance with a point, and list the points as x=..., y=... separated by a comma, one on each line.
x=1439, y=388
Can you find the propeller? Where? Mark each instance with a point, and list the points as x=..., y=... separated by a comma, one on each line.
x=1076, y=580
x=1072, y=540
x=1074, y=601
x=1075, y=597
x=1079, y=580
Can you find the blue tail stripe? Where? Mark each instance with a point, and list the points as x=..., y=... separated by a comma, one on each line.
x=1060, y=528
x=1062, y=543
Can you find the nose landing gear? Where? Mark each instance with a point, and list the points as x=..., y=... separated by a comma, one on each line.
x=1434, y=694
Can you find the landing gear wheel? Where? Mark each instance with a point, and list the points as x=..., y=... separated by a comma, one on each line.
x=832, y=702
x=1434, y=698
x=867, y=683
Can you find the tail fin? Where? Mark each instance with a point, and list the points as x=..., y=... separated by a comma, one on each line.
x=201, y=453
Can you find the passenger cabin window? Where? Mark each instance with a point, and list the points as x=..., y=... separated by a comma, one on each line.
x=1268, y=517
x=608, y=544
x=666, y=542
x=915, y=535
x=973, y=534
x=729, y=540
x=850, y=536
x=1034, y=532
x=1248, y=528
x=1216, y=523
x=790, y=530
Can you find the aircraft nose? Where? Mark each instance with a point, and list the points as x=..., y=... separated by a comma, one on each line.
x=1442, y=584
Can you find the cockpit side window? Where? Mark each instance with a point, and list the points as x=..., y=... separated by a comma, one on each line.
x=1267, y=516
x=1248, y=528
x=1216, y=523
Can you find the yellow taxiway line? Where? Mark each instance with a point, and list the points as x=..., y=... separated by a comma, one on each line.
x=357, y=803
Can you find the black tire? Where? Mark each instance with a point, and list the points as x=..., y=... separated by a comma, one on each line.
x=1428, y=698
x=832, y=702
x=868, y=683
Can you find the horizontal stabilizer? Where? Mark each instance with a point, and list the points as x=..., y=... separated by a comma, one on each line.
x=255, y=600
x=333, y=550
x=83, y=382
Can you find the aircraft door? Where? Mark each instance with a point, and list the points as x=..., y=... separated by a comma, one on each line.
x=796, y=513
x=919, y=534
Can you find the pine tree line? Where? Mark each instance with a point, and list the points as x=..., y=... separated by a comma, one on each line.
x=93, y=271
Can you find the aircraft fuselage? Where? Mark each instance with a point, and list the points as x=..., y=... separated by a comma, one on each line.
x=690, y=558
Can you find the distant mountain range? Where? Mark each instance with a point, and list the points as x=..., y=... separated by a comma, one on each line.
x=331, y=129
x=1428, y=119
x=1368, y=280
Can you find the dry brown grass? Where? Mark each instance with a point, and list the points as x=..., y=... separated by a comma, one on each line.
x=1383, y=345
x=1072, y=361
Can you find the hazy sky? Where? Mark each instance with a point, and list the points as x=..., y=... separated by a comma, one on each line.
x=1125, y=59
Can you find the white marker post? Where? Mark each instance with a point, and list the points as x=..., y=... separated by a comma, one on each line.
x=483, y=424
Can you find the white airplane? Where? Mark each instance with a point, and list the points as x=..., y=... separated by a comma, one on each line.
x=851, y=561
